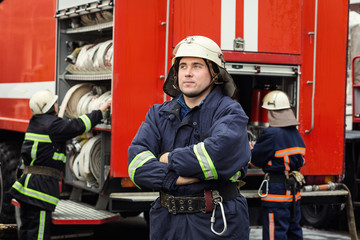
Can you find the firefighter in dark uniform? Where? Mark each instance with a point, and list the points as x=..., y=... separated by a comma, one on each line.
x=43, y=158
x=194, y=149
x=280, y=151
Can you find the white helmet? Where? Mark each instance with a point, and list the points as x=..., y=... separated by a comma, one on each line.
x=276, y=100
x=202, y=47
x=42, y=101
x=198, y=46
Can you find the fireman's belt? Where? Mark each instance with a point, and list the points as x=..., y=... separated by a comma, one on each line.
x=198, y=203
x=42, y=170
x=277, y=177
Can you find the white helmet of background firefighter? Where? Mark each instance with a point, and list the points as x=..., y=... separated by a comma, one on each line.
x=279, y=111
x=207, y=49
x=276, y=100
x=42, y=102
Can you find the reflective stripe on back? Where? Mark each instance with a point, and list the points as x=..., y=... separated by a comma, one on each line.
x=37, y=137
x=281, y=198
x=290, y=151
x=285, y=153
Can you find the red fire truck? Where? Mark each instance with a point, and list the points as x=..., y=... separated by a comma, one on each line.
x=87, y=47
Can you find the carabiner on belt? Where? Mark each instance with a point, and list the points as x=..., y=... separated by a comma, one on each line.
x=218, y=201
x=266, y=182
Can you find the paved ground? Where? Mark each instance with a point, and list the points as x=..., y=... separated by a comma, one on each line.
x=309, y=234
x=136, y=228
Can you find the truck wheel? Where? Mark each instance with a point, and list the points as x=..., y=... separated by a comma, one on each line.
x=315, y=215
x=9, y=161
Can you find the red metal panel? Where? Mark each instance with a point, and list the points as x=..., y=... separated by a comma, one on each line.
x=279, y=23
x=200, y=17
x=262, y=58
x=27, y=47
x=239, y=18
x=279, y=26
x=325, y=144
x=14, y=114
x=139, y=46
x=27, y=42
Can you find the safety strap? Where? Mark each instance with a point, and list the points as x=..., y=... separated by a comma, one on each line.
x=42, y=170
x=208, y=201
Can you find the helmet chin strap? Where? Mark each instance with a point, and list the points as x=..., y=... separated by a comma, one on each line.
x=40, y=108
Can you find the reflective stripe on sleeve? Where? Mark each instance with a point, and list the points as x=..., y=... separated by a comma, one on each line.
x=236, y=176
x=205, y=162
x=86, y=121
x=35, y=194
x=59, y=157
x=137, y=162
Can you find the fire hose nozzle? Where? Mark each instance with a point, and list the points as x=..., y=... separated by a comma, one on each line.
x=329, y=186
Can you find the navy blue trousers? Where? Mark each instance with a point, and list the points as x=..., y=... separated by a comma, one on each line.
x=279, y=224
x=35, y=222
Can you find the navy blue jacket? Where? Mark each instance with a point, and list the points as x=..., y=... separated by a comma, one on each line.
x=45, y=145
x=210, y=143
x=279, y=150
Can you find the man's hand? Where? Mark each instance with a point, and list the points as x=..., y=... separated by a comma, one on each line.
x=164, y=158
x=186, y=180
x=105, y=106
x=181, y=180
x=251, y=144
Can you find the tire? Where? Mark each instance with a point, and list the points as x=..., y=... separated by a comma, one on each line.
x=315, y=215
x=9, y=162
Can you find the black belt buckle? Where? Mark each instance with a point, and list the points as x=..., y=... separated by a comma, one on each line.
x=171, y=204
x=177, y=205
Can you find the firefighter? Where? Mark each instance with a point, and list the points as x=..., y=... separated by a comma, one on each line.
x=43, y=160
x=280, y=151
x=194, y=149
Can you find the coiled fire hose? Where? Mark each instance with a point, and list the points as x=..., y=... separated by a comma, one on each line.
x=71, y=99
x=349, y=206
x=85, y=150
x=91, y=59
x=90, y=152
x=85, y=165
